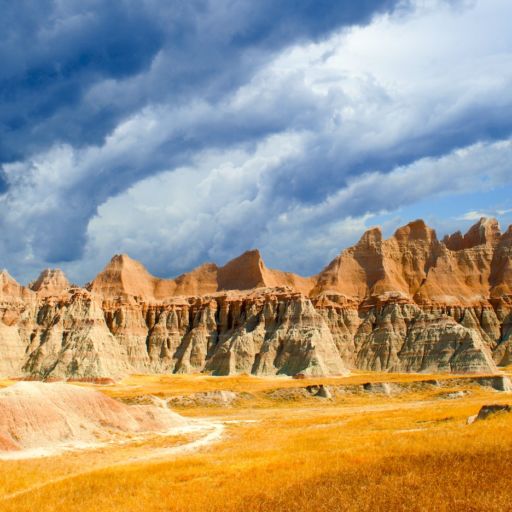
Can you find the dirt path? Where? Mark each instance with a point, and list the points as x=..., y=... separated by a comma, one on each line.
x=216, y=430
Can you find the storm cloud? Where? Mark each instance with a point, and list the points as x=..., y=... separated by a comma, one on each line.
x=181, y=132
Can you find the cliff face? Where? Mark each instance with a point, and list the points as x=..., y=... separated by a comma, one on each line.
x=410, y=303
x=125, y=277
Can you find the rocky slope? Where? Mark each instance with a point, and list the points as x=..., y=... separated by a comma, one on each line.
x=410, y=303
x=48, y=417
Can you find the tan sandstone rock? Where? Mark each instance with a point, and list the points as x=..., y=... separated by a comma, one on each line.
x=406, y=303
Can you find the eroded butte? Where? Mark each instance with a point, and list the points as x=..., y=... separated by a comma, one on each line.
x=410, y=303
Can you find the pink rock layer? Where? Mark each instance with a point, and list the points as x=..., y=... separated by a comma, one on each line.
x=36, y=415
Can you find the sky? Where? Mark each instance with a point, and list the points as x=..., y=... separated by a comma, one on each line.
x=185, y=132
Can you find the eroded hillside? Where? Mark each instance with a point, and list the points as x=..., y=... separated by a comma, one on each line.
x=409, y=303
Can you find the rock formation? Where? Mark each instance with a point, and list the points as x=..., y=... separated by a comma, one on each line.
x=125, y=277
x=51, y=282
x=410, y=303
x=39, y=416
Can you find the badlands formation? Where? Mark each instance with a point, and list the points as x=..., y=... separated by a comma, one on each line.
x=411, y=303
x=40, y=419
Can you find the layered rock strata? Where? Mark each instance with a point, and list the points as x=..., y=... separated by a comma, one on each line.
x=43, y=419
x=411, y=303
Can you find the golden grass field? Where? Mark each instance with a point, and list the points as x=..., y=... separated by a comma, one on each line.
x=412, y=451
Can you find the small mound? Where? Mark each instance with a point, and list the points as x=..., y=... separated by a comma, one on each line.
x=489, y=410
x=36, y=415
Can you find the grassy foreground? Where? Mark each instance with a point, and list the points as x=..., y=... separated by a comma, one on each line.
x=412, y=451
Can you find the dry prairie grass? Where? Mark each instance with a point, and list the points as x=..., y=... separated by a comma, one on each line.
x=172, y=385
x=411, y=452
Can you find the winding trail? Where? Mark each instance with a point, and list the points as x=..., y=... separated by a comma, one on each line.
x=216, y=430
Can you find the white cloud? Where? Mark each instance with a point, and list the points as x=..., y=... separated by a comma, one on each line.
x=217, y=206
x=475, y=215
x=472, y=215
x=222, y=207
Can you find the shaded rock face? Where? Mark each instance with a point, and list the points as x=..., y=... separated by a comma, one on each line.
x=69, y=338
x=411, y=303
x=405, y=339
x=490, y=410
x=268, y=333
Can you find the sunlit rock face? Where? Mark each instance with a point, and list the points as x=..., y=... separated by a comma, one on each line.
x=50, y=417
x=411, y=303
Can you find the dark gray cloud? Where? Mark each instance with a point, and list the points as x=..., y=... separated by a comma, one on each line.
x=72, y=71
x=53, y=54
